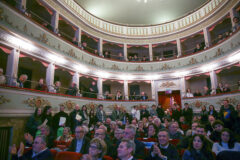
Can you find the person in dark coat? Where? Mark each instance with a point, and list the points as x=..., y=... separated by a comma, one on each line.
x=57, y=117
x=74, y=121
x=187, y=112
x=34, y=122
x=227, y=114
x=93, y=88
x=212, y=111
x=126, y=149
x=72, y=90
x=80, y=143
x=47, y=116
x=163, y=150
x=39, y=151
x=144, y=112
x=41, y=86
x=160, y=111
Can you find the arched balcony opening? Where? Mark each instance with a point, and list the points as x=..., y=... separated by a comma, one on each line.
x=34, y=68
x=66, y=29
x=237, y=9
x=115, y=51
x=197, y=84
x=113, y=90
x=138, y=52
x=193, y=43
x=228, y=78
x=64, y=76
x=4, y=52
x=164, y=51
x=85, y=83
x=220, y=30
x=139, y=90
x=39, y=13
x=90, y=43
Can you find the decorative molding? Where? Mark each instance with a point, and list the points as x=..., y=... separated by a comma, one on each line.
x=4, y=100
x=43, y=38
x=38, y=102
x=199, y=104
x=68, y=104
x=168, y=84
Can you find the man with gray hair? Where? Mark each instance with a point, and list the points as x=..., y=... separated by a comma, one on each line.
x=129, y=133
x=126, y=150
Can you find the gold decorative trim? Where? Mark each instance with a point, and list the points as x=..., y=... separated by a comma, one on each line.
x=4, y=100
x=168, y=84
x=68, y=104
x=199, y=104
x=38, y=102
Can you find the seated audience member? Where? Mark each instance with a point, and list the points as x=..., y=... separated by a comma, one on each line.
x=236, y=24
x=219, y=38
x=143, y=96
x=22, y=79
x=133, y=96
x=197, y=93
x=45, y=131
x=198, y=48
x=152, y=131
x=107, y=95
x=227, y=143
x=140, y=133
x=107, y=54
x=39, y=151
x=173, y=131
x=217, y=129
x=135, y=58
x=209, y=125
x=126, y=150
x=207, y=91
x=158, y=124
x=198, y=149
x=204, y=115
x=219, y=88
x=129, y=58
x=34, y=122
x=86, y=157
x=163, y=150
x=226, y=88
x=66, y=137
x=72, y=90
x=101, y=134
x=120, y=56
x=2, y=77
x=118, y=135
x=80, y=143
x=118, y=95
x=97, y=149
x=188, y=93
x=41, y=86
x=56, y=87
x=144, y=58
x=212, y=111
x=202, y=131
x=129, y=133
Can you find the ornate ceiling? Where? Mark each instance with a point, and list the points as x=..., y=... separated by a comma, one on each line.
x=140, y=12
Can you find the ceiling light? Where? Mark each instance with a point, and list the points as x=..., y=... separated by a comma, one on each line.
x=208, y=67
x=57, y=59
x=103, y=74
x=235, y=57
x=22, y=44
x=81, y=68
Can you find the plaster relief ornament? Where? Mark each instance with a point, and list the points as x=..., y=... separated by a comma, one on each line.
x=168, y=84
x=92, y=62
x=115, y=67
x=232, y=100
x=38, y=102
x=139, y=68
x=43, y=38
x=192, y=61
x=4, y=100
x=25, y=29
x=68, y=104
x=92, y=106
x=199, y=104
x=71, y=53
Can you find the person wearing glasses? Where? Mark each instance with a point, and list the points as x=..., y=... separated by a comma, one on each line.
x=80, y=143
x=97, y=149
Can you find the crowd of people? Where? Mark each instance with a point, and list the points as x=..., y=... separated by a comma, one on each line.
x=144, y=133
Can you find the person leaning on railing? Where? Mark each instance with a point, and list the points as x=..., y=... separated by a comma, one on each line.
x=2, y=77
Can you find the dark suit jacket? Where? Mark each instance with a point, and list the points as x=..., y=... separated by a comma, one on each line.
x=45, y=155
x=85, y=145
x=171, y=153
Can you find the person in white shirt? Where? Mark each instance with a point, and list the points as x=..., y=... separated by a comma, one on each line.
x=2, y=77
x=188, y=93
x=227, y=143
x=126, y=149
x=135, y=113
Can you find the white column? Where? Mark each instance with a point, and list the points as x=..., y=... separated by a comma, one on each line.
x=153, y=89
x=100, y=88
x=78, y=35
x=233, y=14
x=207, y=37
x=100, y=47
x=22, y=5
x=179, y=47
x=55, y=21
x=126, y=89
x=213, y=78
x=125, y=51
x=183, y=86
x=12, y=67
x=50, y=75
x=75, y=79
x=150, y=52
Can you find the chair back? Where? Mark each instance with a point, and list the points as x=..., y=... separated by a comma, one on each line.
x=66, y=155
